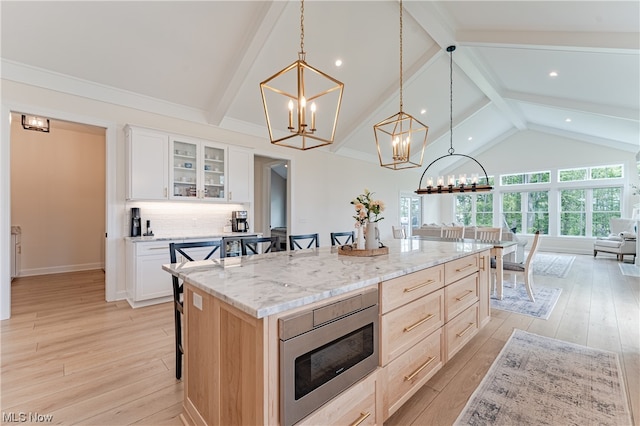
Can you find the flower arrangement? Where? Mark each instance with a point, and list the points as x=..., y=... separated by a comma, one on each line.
x=367, y=209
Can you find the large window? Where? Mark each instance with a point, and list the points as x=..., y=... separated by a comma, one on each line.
x=512, y=210
x=475, y=209
x=577, y=220
x=524, y=178
x=527, y=212
x=590, y=173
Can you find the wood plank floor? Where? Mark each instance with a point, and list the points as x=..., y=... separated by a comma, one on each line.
x=68, y=353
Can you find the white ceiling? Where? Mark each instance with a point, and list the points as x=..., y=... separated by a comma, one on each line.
x=203, y=61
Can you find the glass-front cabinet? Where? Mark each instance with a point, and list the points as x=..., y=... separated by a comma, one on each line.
x=197, y=169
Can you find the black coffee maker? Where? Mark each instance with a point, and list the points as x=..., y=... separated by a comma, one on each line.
x=136, y=228
x=239, y=221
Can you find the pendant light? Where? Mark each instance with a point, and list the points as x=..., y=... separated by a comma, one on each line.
x=397, y=134
x=301, y=103
x=33, y=122
x=451, y=185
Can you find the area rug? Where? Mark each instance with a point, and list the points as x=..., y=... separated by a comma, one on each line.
x=537, y=380
x=517, y=300
x=554, y=265
x=629, y=269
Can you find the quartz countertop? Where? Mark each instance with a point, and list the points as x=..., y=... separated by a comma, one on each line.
x=146, y=239
x=271, y=283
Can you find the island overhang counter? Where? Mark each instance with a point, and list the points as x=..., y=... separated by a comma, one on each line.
x=232, y=307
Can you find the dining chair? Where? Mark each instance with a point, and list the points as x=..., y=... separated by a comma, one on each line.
x=190, y=251
x=336, y=238
x=452, y=232
x=488, y=234
x=521, y=268
x=308, y=239
x=398, y=232
x=258, y=245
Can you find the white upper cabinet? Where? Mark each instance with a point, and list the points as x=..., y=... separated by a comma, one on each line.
x=146, y=164
x=240, y=189
x=197, y=169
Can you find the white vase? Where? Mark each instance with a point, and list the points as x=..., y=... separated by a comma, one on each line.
x=360, y=238
x=371, y=236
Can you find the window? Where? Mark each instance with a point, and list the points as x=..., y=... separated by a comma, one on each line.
x=537, y=216
x=524, y=178
x=593, y=173
x=576, y=220
x=410, y=212
x=605, y=205
x=573, y=212
x=475, y=209
x=512, y=210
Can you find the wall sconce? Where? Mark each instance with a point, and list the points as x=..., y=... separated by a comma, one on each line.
x=32, y=122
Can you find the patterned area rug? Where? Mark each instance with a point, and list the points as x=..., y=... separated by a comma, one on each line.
x=518, y=300
x=629, y=269
x=554, y=265
x=543, y=381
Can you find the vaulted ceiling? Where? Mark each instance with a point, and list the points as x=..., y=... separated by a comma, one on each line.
x=203, y=61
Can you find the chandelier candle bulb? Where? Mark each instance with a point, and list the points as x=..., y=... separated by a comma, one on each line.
x=452, y=180
x=313, y=116
x=440, y=180
x=430, y=182
x=290, y=114
x=463, y=179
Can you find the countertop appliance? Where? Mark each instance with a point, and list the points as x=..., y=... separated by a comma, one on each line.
x=324, y=351
x=239, y=221
x=136, y=227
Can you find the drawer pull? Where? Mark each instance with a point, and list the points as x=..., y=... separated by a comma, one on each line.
x=361, y=419
x=482, y=260
x=422, y=321
x=422, y=367
x=465, y=295
x=157, y=248
x=471, y=265
x=463, y=332
x=415, y=287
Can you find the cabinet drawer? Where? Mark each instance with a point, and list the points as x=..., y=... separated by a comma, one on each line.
x=460, y=295
x=460, y=330
x=357, y=405
x=460, y=268
x=405, y=326
x=409, y=372
x=402, y=290
x=154, y=248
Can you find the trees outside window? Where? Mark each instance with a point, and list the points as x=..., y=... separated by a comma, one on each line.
x=605, y=205
x=537, y=208
x=577, y=220
x=512, y=210
x=573, y=212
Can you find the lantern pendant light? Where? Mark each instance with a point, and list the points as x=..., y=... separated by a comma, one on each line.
x=301, y=103
x=396, y=135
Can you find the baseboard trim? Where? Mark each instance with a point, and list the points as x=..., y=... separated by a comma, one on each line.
x=59, y=269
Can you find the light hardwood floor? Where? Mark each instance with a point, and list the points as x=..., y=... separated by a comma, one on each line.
x=67, y=353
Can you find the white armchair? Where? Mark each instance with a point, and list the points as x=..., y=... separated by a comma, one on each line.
x=621, y=240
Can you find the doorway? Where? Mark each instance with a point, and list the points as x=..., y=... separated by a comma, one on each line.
x=410, y=212
x=272, y=206
x=112, y=221
x=58, y=196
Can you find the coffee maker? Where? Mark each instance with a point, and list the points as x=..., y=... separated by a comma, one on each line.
x=239, y=221
x=136, y=228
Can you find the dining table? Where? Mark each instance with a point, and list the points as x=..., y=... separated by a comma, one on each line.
x=498, y=251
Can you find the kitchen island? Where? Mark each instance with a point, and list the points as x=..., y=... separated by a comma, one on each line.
x=232, y=308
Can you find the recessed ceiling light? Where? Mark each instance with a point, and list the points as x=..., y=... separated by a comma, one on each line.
x=568, y=120
x=553, y=74
x=338, y=62
x=423, y=111
x=470, y=138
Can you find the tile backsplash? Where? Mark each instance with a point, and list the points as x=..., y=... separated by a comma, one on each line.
x=183, y=218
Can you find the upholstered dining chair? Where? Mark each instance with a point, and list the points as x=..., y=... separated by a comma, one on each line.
x=308, y=239
x=257, y=245
x=488, y=234
x=342, y=238
x=189, y=251
x=521, y=268
x=452, y=232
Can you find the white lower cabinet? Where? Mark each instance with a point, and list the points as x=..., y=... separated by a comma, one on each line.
x=147, y=282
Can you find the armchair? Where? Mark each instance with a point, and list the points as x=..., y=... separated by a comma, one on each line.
x=621, y=240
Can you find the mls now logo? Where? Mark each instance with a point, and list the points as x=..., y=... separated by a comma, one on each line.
x=21, y=417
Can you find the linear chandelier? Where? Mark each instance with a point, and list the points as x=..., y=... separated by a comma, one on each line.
x=395, y=134
x=461, y=185
x=305, y=103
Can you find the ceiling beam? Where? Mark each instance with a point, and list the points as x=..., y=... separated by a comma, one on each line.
x=248, y=51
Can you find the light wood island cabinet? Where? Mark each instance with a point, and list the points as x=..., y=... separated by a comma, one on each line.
x=232, y=357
